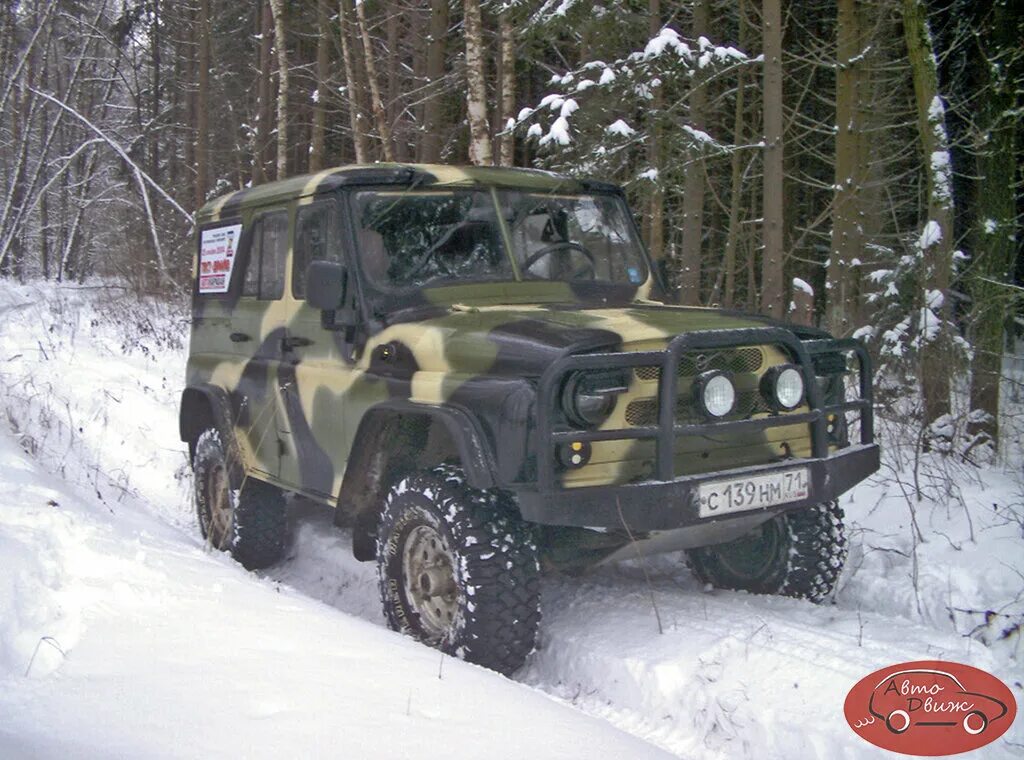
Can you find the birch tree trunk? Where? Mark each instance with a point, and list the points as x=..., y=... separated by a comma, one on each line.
x=771, y=197
x=379, y=115
x=506, y=33
x=936, y=241
x=277, y=8
x=693, y=184
x=480, y=152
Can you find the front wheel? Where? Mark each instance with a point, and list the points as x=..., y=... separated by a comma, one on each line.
x=799, y=554
x=975, y=722
x=458, y=570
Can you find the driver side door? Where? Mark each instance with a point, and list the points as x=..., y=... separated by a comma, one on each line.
x=317, y=362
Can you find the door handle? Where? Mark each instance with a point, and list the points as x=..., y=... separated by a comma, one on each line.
x=295, y=341
x=237, y=337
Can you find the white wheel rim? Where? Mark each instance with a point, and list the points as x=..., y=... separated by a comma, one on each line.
x=979, y=729
x=899, y=714
x=218, y=502
x=428, y=578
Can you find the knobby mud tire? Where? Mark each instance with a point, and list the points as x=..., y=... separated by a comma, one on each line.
x=258, y=530
x=494, y=560
x=808, y=551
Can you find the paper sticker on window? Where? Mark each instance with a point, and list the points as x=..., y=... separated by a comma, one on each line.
x=634, y=275
x=217, y=251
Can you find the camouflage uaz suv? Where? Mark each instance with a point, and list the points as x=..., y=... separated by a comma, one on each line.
x=476, y=368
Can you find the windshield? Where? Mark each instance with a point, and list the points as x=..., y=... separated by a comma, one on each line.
x=409, y=239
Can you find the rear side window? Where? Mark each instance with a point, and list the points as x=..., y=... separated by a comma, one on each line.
x=264, y=277
x=316, y=239
x=251, y=283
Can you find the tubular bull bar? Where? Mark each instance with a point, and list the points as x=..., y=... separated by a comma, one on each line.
x=597, y=505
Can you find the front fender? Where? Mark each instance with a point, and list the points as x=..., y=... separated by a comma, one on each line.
x=476, y=455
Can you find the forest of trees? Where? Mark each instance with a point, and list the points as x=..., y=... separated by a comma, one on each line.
x=854, y=164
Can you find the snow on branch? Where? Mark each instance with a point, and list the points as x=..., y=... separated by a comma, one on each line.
x=621, y=128
x=802, y=286
x=601, y=108
x=930, y=235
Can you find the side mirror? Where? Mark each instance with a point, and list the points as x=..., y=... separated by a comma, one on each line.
x=327, y=290
x=325, y=285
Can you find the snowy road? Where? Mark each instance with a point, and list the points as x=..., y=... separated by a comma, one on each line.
x=729, y=675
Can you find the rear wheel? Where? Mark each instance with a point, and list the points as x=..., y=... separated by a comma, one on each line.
x=798, y=554
x=458, y=570
x=898, y=721
x=249, y=521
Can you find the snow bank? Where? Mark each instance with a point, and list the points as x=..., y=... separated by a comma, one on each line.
x=186, y=655
x=39, y=614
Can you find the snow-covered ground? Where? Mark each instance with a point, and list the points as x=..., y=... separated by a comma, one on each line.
x=138, y=642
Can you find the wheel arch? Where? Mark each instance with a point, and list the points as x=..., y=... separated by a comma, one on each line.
x=399, y=436
x=203, y=406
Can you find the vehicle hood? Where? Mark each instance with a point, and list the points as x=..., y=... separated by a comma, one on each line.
x=524, y=340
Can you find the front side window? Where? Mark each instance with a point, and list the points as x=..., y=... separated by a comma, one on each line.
x=316, y=239
x=408, y=239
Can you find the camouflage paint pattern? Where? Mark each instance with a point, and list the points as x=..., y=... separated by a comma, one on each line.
x=481, y=347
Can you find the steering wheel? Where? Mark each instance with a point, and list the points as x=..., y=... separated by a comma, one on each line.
x=590, y=265
x=430, y=255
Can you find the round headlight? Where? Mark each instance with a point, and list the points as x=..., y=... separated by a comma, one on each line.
x=789, y=388
x=718, y=395
x=589, y=397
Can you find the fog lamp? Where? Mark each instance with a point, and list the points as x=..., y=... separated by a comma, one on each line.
x=716, y=395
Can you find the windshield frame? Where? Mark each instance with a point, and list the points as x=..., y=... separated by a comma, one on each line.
x=383, y=299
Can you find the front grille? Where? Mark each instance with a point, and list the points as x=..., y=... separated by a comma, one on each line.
x=692, y=363
x=644, y=411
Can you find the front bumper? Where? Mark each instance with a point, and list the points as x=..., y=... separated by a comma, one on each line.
x=666, y=505
x=666, y=502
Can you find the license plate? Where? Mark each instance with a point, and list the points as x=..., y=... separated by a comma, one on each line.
x=722, y=497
